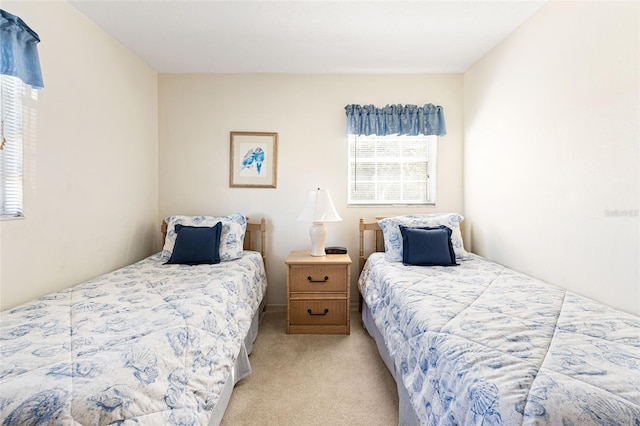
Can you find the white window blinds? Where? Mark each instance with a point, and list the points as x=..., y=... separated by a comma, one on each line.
x=392, y=170
x=11, y=89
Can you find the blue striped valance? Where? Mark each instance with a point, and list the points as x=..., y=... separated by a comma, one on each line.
x=18, y=50
x=395, y=119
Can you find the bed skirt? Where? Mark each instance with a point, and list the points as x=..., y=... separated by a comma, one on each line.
x=406, y=416
x=241, y=369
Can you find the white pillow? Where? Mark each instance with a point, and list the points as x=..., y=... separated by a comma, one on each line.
x=231, y=237
x=393, y=238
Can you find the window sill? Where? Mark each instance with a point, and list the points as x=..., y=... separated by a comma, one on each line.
x=403, y=206
x=8, y=218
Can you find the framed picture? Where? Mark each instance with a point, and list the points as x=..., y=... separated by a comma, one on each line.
x=254, y=160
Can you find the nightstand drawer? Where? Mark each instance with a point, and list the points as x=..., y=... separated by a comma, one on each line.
x=318, y=312
x=318, y=279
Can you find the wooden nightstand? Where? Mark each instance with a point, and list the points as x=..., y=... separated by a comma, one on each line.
x=318, y=293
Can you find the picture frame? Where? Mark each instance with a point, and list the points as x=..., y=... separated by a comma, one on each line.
x=253, y=160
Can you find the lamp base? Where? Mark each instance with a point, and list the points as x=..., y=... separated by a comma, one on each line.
x=318, y=234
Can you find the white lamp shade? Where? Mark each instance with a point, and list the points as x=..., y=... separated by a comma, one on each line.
x=319, y=208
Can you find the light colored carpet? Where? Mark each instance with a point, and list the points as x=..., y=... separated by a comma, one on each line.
x=309, y=379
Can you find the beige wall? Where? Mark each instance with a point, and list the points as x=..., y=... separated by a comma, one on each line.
x=197, y=112
x=551, y=153
x=91, y=159
x=552, y=120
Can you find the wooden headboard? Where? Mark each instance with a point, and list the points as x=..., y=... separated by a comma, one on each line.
x=377, y=243
x=249, y=236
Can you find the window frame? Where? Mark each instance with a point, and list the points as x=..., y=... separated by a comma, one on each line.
x=429, y=180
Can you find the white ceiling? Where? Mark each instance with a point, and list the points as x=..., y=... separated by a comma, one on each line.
x=393, y=36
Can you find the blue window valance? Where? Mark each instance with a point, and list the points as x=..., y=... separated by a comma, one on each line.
x=395, y=119
x=18, y=50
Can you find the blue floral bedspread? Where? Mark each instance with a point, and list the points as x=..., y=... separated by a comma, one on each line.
x=482, y=344
x=147, y=344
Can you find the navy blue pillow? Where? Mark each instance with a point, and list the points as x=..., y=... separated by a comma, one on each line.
x=196, y=245
x=427, y=246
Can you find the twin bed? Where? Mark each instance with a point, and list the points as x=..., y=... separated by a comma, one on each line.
x=478, y=343
x=152, y=343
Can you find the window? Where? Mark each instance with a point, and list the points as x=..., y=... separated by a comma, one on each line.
x=11, y=90
x=19, y=67
x=392, y=170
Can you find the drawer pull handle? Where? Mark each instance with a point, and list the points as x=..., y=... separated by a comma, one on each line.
x=311, y=280
x=326, y=311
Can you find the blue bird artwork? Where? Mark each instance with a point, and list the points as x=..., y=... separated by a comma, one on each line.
x=253, y=157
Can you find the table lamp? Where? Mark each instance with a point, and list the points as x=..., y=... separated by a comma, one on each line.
x=318, y=209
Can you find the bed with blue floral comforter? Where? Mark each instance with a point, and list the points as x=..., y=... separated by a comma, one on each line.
x=147, y=344
x=482, y=344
